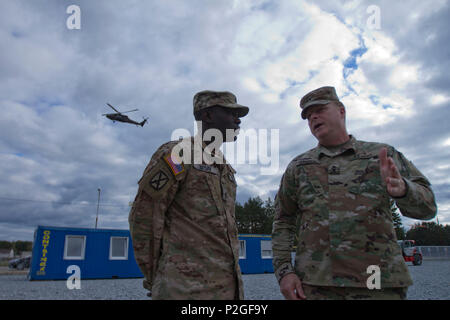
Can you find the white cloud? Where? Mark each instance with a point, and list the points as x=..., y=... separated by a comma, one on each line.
x=404, y=75
x=447, y=143
x=439, y=99
x=381, y=49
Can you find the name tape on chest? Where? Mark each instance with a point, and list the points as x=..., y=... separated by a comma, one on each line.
x=207, y=168
x=306, y=161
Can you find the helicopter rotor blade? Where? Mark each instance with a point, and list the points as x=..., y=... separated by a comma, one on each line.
x=130, y=110
x=113, y=108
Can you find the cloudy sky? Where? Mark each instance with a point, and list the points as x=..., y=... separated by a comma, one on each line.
x=389, y=64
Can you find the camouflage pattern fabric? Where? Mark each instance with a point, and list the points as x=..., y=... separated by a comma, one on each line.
x=349, y=293
x=335, y=201
x=207, y=98
x=183, y=229
x=323, y=95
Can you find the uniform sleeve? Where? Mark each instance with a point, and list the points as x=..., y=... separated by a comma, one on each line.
x=157, y=189
x=284, y=225
x=419, y=201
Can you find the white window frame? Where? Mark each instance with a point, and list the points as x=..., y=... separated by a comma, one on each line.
x=271, y=252
x=66, y=245
x=243, y=253
x=111, y=248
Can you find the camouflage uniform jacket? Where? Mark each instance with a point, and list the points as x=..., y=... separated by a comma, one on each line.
x=184, y=231
x=336, y=204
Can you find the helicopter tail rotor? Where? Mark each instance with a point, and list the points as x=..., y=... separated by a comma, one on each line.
x=143, y=122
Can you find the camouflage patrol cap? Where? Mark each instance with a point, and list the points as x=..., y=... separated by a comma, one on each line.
x=206, y=99
x=323, y=95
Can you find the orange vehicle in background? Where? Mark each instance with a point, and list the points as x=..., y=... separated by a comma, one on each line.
x=410, y=252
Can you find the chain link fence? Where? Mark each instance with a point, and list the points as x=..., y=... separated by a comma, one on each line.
x=435, y=252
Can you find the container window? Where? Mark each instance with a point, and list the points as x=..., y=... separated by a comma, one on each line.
x=118, y=249
x=74, y=247
x=266, y=249
x=242, y=250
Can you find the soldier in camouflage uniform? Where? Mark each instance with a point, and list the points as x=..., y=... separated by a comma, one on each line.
x=336, y=197
x=183, y=222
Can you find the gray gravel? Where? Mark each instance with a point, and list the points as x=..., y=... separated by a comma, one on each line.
x=431, y=281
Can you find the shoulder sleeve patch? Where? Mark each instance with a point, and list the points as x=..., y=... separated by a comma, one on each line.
x=157, y=180
x=175, y=164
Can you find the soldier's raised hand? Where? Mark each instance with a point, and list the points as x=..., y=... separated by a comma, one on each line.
x=390, y=175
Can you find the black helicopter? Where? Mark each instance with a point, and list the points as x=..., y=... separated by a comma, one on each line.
x=119, y=116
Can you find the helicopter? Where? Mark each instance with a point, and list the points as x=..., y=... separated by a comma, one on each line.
x=119, y=116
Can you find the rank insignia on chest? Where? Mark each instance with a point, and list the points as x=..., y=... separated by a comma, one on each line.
x=365, y=155
x=334, y=169
x=174, y=164
x=159, y=180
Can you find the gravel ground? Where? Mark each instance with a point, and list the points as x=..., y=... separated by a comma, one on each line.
x=431, y=281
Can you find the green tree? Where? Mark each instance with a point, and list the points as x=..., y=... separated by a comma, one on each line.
x=255, y=216
x=5, y=245
x=429, y=234
x=269, y=214
x=397, y=220
x=21, y=246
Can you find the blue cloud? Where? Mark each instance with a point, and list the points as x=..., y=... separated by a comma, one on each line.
x=375, y=100
x=350, y=63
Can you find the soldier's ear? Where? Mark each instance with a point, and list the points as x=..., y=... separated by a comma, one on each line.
x=207, y=115
x=342, y=110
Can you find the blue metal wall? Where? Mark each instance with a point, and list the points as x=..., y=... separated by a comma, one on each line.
x=48, y=255
x=253, y=262
x=48, y=261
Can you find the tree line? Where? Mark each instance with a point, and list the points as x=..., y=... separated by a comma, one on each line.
x=18, y=246
x=430, y=234
x=255, y=216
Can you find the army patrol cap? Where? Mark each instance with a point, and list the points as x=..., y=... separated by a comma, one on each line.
x=323, y=95
x=206, y=99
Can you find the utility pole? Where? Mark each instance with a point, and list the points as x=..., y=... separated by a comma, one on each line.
x=98, y=204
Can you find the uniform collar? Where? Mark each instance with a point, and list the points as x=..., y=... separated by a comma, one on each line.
x=351, y=144
x=215, y=154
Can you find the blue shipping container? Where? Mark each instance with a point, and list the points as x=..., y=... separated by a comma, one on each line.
x=99, y=253
x=106, y=254
x=255, y=253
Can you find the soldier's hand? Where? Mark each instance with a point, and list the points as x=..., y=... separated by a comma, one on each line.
x=291, y=287
x=390, y=175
